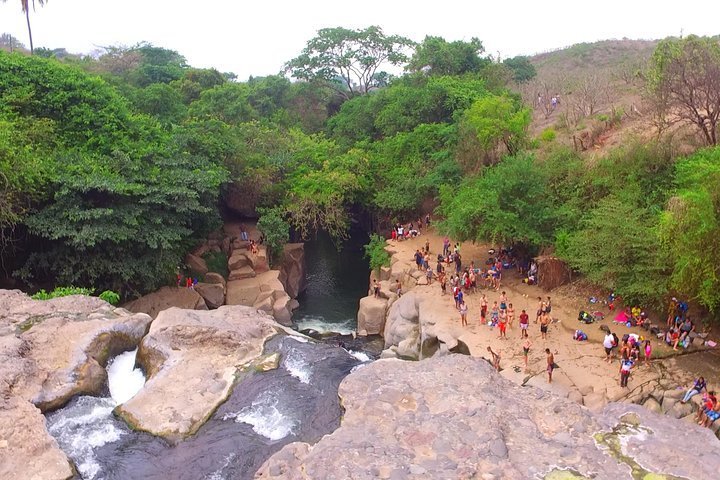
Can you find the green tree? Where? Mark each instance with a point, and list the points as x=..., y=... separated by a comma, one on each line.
x=348, y=60
x=690, y=229
x=376, y=254
x=622, y=257
x=686, y=73
x=437, y=56
x=274, y=228
x=522, y=69
x=507, y=203
x=499, y=119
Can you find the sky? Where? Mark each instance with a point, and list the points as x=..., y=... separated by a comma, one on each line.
x=256, y=37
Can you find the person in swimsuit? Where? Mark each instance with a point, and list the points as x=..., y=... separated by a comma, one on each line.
x=503, y=301
x=495, y=314
x=550, y=364
x=544, y=322
x=463, y=313
x=443, y=282
x=483, y=309
x=526, y=351
x=540, y=310
x=502, y=323
x=648, y=351
x=510, y=315
x=495, y=358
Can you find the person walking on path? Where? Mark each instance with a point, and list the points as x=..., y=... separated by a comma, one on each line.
x=463, y=313
x=550, y=364
x=698, y=387
x=526, y=351
x=495, y=358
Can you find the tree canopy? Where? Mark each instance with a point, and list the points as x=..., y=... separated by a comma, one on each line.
x=349, y=61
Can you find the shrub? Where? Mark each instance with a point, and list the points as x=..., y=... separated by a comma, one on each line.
x=217, y=262
x=274, y=228
x=375, y=252
x=62, y=292
x=548, y=135
x=110, y=297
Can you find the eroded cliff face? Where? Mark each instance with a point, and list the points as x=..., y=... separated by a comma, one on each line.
x=454, y=417
x=51, y=351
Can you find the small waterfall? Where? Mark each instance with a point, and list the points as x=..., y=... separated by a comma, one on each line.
x=87, y=423
x=124, y=380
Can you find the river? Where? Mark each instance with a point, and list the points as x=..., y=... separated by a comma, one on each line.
x=298, y=401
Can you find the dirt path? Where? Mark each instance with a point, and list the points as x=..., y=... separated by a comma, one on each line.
x=583, y=371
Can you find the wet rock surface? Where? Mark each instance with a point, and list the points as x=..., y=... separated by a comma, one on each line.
x=50, y=351
x=191, y=358
x=454, y=417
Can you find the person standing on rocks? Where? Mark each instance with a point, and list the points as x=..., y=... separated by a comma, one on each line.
x=544, y=323
x=463, y=313
x=398, y=288
x=495, y=358
x=608, y=344
x=625, y=365
x=550, y=364
x=376, y=288
x=524, y=323
x=526, y=351
x=502, y=323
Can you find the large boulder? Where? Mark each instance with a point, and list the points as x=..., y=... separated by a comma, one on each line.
x=167, y=297
x=212, y=293
x=292, y=268
x=238, y=260
x=212, y=277
x=371, y=315
x=196, y=264
x=191, y=359
x=51, y=351
x=455, y=417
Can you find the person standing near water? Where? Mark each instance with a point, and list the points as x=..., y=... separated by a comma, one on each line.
x=550, y=364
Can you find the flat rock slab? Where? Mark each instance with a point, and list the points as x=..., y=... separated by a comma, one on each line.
x=455, y=417
x=155, y=302
x=191, y=358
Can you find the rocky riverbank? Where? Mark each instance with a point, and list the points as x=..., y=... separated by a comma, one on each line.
x=453, y=416
x=424, y=322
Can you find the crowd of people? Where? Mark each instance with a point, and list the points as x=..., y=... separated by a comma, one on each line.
x=709, y=409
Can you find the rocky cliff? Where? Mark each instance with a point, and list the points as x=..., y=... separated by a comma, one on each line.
x=454, y=417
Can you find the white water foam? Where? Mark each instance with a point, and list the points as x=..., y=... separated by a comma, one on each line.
x=362, y=356
x=320, y=325
x=298, y=338
x=265, y=418
x=297, y=366
x=83, y=427
x=124, y=380
x=218, y=474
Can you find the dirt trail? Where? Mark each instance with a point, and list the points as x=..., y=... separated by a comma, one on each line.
x=583, y=370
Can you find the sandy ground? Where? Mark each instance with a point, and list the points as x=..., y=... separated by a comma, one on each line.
x=582, y=364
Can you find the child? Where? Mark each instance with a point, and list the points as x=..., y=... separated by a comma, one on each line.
x=625, y=365
x=648, y=351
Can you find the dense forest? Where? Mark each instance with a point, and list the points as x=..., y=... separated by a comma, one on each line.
x=112, y=167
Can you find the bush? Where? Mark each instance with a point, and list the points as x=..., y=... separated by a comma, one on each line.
x=548, y=135
x=375, y=252
x=62, y=292
x=217, y=262
x=110, y=297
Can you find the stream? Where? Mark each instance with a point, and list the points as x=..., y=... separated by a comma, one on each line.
x=297, y=401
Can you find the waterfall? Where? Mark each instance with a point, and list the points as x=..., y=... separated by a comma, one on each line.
x=124, y=380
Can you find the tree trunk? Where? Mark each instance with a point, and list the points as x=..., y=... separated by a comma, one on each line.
x=27, y=17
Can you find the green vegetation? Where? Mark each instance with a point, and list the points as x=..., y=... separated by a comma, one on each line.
x=111, y=169
x=110, y=297
x=217, y=262
x=63, y=292
x=376, y=254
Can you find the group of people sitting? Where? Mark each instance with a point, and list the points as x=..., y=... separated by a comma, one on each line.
x=410, y=230
x=709, y=409
x=680, y=330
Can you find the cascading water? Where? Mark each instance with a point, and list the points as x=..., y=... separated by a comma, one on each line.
x=266, y=410
x=87, y=423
